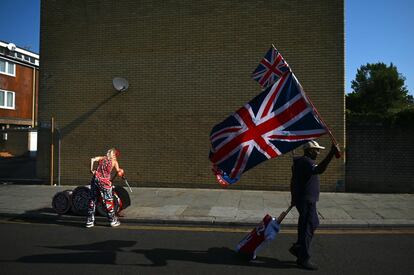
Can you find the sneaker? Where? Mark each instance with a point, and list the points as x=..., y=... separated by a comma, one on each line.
x=90, y=222
x=307, y=264
x=115, y=223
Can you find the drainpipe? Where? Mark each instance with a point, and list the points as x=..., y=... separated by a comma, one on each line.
x=59, y=149
x=52, y=132
x=34, y=98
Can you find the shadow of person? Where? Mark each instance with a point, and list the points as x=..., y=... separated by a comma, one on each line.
x=97, y=253
x=214, y=255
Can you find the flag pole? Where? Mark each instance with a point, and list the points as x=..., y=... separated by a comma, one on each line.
x=338, y=153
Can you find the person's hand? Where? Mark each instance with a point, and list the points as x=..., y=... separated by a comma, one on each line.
x=121, y=173
x=93, y=172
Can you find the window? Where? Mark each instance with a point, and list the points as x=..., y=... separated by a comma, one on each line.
x=7, y=99
x=7, y=67
x=11, y=68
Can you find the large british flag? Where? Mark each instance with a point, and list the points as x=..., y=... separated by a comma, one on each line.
x=275, y=122
x=270, y=69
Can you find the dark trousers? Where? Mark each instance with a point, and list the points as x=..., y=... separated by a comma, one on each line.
x=307, y=224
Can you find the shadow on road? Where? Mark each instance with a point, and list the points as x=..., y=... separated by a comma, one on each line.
x=98, y=253
x=47, y=215
x=214, y=255
x=106, y=252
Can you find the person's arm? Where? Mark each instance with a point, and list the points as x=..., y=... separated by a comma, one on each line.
x=119, y=171
x=92, y=163
x=321, y=167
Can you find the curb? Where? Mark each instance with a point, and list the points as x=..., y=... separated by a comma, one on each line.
x=51, y=217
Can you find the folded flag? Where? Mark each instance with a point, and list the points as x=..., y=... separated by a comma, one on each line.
x=264, y=232
x=273, y=123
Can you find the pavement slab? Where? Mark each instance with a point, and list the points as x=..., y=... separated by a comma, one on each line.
x=220, y=206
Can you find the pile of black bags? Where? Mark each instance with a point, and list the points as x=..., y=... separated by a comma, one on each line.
x=76, y=201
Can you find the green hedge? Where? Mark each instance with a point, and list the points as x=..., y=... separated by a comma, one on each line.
x=403, y=118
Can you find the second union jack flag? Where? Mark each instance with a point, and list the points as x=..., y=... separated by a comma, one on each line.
x=270, y=69
x=275, y=122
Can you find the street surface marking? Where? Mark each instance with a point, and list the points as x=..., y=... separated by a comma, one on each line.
x=321, y=231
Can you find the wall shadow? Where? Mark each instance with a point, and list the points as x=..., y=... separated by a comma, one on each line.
x=79, y=120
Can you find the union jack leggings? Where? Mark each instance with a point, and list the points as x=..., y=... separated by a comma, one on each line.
x=98, y=190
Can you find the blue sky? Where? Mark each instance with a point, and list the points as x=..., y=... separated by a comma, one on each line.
x=375, y=31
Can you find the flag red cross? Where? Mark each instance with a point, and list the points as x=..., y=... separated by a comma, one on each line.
x=272, y=68
x=256, y=133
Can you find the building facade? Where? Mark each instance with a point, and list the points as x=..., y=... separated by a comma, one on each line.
x=188, y=64
x=19, y=82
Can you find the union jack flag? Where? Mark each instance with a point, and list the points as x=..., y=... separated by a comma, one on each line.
x=275, y=122
x=270, y=69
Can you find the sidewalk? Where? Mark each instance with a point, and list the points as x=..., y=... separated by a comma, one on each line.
x=220, y=206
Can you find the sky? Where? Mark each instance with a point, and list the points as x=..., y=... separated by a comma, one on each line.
x=375, y=31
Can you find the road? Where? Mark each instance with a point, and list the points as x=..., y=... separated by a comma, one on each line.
x=69, y=248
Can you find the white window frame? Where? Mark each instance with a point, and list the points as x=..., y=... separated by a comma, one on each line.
x=3, y=105
x=6, y=68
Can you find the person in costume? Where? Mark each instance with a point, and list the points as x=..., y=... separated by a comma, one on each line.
x=101, y=184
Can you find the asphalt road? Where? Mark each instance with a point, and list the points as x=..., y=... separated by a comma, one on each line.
x=69, y=248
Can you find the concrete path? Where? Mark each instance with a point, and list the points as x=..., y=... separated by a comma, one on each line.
x=220, y=206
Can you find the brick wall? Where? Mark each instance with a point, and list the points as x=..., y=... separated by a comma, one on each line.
x=379, y=158
x=188, y=64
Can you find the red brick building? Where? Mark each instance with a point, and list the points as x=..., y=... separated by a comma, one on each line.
x=19, y=82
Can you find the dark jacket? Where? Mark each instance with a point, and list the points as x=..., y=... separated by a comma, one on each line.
x=305, y=180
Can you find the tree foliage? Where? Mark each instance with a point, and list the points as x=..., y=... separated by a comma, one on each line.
x=379, y=95
x=378, y=89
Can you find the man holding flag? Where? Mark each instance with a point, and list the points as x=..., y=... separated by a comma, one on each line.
x=275, y=122
x=304, y=188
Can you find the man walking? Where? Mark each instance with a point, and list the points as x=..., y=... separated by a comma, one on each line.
x=304, y=189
